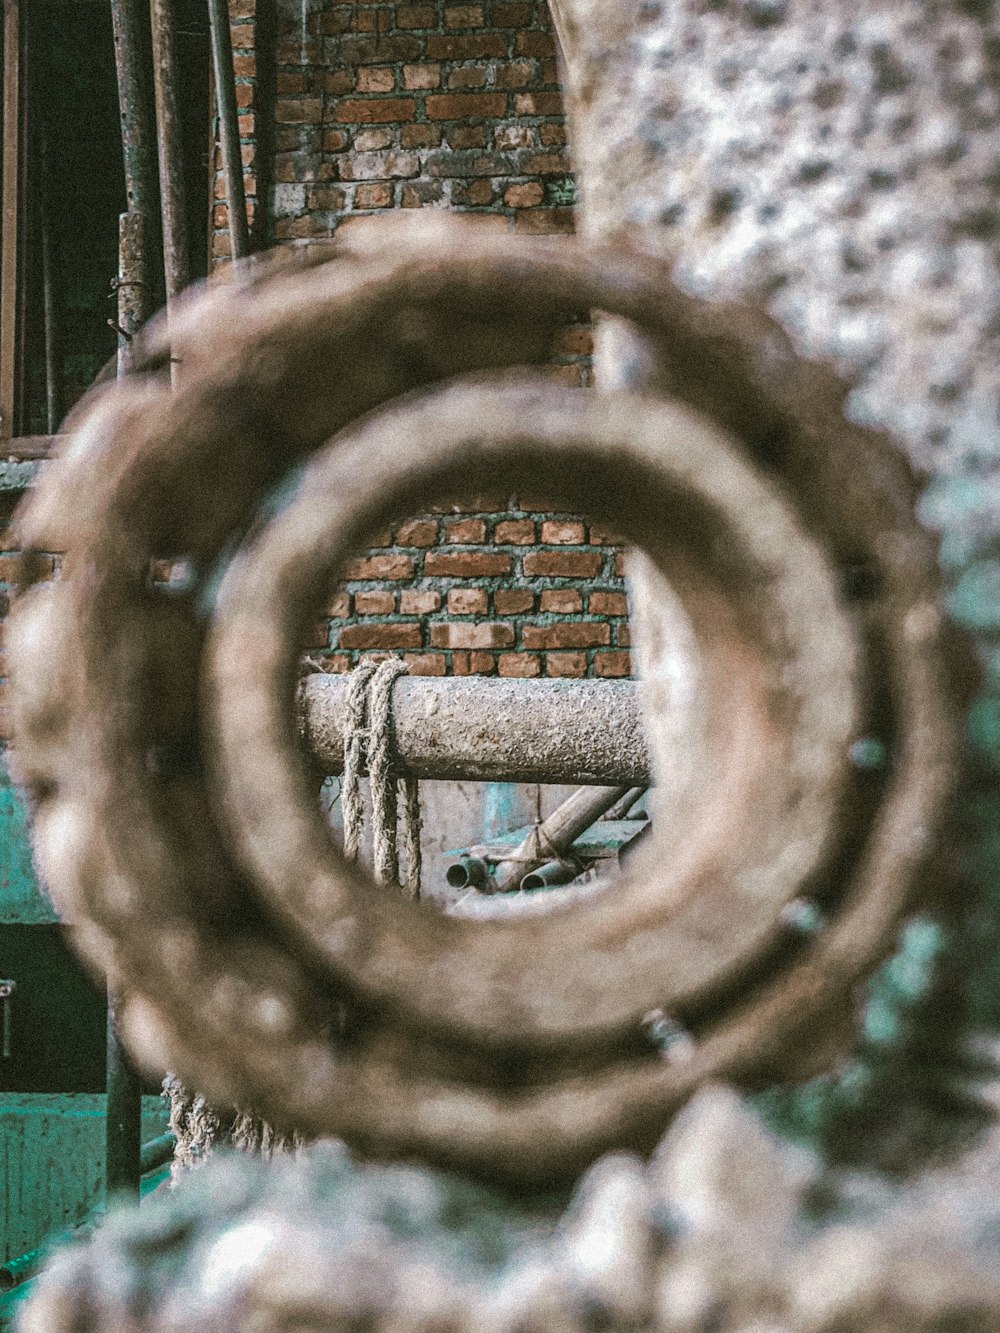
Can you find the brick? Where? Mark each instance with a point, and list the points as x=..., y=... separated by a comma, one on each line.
x=372, y=140
x=335, y=141
x=458, y=634
x=535, y=44
x=510, y=16
x=473, y=664
x=417, y=532
x=467, y=136
x=337, y=81
x=476, y=193
x=375, y=79
x=514, y=532
x=468, y=76
x=467, y=602
x=375, y=110
x=513, y=601
x=612, y=664
x=420, y=136
x=463, y=16
x=562, y=564
x=623, y=635
x=422, y=194
x=602, y=536
x=339, y=605
x=426, y=664
x=419, y=602
x=393, y=165
x=390, y=634
x=362, y=49
x=299, y=111
x=387, y=567
x=607, y=604
x=421, y=76
x=538, y=104
x=567, y=634
x=374, y=603
x=552, y=135
x=463, y=164
x=466, y=564
x=463, y=106
x=472, y=46
x=465, y=530
x=520, y=666
x=325, y=198
x=544, y=164
x=525, y=194
x=563, y=532
x=373, y=196
x=335, y=21
x=291, y=81
x=546, y=222
x=513, y=136
x=519, y=74
x=566, y=665
x=562, y=601
x=619, y=565
x=415, y=16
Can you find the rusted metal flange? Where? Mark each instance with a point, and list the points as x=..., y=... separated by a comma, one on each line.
x=822, y=740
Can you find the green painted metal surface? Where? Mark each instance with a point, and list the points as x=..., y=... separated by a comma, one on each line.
x=52, y=1163
x=22, y=901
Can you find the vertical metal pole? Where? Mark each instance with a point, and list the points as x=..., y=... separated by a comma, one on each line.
x=131, y=42
x=10, y=242
x=133, y=283
x=53, y=369
x=124, y=1088
x=176, y=258
x=124, y=1115
x=229, y=127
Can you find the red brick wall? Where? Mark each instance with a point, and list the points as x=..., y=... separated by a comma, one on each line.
x=498, y=589
x=378, y=105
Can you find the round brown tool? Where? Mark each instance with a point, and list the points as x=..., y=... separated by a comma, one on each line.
x=182, y=832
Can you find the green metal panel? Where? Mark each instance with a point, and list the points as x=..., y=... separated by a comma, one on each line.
x=52, y=1162
x=21, y=899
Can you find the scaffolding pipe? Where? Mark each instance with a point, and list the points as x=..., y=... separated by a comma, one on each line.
x=53, y=377
x=580, y=732
x=555, y=835
x=169, y=146
x=229, y=127
x=134, y=104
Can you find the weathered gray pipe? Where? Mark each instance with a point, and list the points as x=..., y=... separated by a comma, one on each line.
x=468, y=872
x=176, y=262
x=581, y=733
x=229, y=127
x=554, y=836
x=550, y=874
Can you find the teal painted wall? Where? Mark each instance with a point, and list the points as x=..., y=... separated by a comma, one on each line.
x=21, y=899
x=52, y=1163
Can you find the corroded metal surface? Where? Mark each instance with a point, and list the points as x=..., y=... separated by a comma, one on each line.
x=818, y=734
x=586, y=732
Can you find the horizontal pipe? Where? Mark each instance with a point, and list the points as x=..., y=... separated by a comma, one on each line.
x=551, y=873
x=580, y=732
x=469, y=872
x=156, y=1153
x=555, y=835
